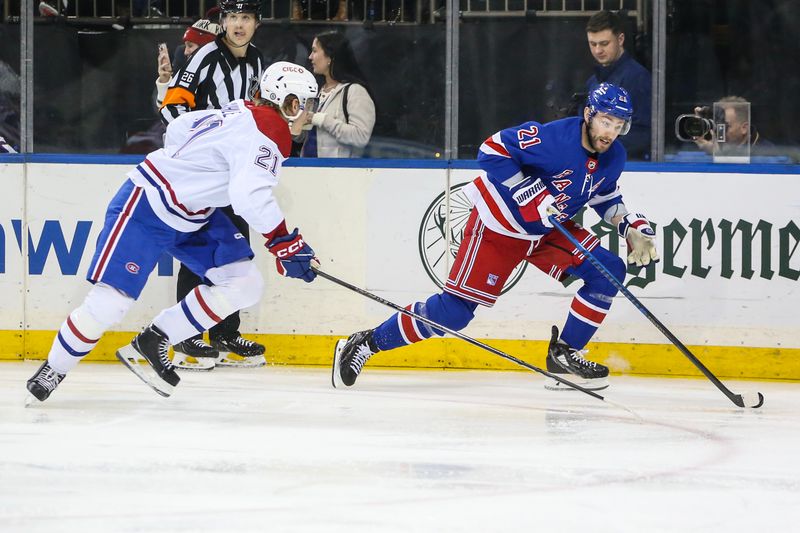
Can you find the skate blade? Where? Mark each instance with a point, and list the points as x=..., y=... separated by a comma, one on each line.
x=336, y=371
x=588, y=384
x=30, y=399
x=232, y=360
x=187, y=362
x=139, y=366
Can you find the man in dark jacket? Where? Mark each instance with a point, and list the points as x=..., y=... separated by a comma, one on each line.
x=606, y=42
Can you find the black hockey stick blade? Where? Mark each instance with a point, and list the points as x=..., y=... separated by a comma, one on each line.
x=466, y=338
x=750, y=400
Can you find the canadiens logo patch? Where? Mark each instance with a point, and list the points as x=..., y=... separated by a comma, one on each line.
x=132, y=267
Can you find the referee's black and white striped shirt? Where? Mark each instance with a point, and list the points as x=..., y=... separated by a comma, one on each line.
x=211, y=78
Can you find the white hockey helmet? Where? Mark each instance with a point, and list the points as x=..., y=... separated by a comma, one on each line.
x=283, y=78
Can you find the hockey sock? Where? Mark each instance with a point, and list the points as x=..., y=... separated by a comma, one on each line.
x=592, y=301
x=202, y=308
x=444, y=308
x=73, y=341
x=236, y=286
x=103, y=307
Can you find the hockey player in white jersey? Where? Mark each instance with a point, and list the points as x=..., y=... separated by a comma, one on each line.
x=211, y=158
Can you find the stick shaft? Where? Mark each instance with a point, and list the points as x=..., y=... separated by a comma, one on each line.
x=454, y=333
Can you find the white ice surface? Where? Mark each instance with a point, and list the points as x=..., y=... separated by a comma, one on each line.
x=278, y=450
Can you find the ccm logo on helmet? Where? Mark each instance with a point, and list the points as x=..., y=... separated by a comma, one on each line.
x=294, y=69
x=291, y=249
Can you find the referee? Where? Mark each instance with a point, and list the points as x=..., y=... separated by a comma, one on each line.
x=216, y=74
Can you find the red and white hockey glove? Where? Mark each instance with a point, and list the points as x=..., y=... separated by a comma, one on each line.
x=641, y=239
x=536, y=203
x=293, y=256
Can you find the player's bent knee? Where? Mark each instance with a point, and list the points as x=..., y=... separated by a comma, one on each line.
x=450, y=310
x=617, y=267
x=241, y=283
x=613, y=263
x=102, y=308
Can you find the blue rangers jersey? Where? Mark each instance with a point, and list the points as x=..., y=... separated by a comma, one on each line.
x=516, y=157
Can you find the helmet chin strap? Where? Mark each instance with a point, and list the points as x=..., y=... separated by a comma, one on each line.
x=231, y=44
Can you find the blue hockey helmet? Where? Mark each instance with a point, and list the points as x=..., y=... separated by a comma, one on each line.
x=612, y=100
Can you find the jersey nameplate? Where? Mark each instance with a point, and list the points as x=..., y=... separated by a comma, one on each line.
x=527, y=193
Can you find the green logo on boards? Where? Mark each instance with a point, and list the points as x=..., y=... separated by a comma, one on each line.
x=699, y=248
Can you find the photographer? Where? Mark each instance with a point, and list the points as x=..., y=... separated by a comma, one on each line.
x=738, y=129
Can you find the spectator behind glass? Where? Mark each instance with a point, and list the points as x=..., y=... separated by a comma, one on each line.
x=604, y=32
x=737, y=127
x=343, y=123
x=198, y=34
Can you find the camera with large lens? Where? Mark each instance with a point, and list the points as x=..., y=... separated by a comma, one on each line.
x=689, y=127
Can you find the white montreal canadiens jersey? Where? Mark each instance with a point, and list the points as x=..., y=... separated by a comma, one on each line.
x=214, y=158
x=515, y=158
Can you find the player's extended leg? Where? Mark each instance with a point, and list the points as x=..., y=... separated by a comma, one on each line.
x=102, y=308
x=399, y=330
x=589, y=308
x=128, y=248
x=484, y=262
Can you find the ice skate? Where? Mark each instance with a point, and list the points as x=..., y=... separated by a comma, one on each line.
x=239, y=352
x=194, y=354
x=147, y=356
x=562, y=359
x=44, y=382
x=349, y=357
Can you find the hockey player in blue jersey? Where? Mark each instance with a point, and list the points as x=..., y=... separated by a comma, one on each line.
x=532, y=170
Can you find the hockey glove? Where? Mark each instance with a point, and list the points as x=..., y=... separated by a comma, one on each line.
x=641, y=239
x=536, y=203
x=293, y=256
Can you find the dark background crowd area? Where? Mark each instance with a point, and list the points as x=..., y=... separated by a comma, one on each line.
x=94, y=87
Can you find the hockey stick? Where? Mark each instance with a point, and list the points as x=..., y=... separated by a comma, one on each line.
x=463, y=337
x=741, y=400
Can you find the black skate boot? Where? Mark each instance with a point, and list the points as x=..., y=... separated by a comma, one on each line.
x=44, y=382
x=562, y=359
x=151, y=347
x=349, y=357
x=194, y=354
x=236, y=351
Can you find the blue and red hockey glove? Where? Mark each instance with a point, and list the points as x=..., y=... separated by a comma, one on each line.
x=293, y=256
